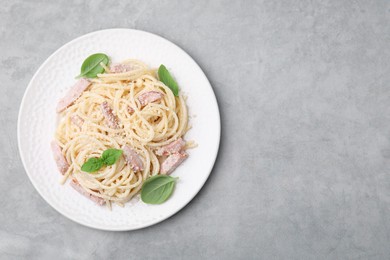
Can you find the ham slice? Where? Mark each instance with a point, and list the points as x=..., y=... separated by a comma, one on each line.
x=78, y=121
x=61, y=162
x=111, y=119
x=174, y=147
x=75, y=185
x=73, y=94
x=171, y=163
x=149, y=97
x=120, y=68
x=133, y=159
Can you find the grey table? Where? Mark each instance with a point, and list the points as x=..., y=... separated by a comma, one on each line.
x=304, y=162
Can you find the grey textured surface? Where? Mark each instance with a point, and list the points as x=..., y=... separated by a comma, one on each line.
x=304, y=94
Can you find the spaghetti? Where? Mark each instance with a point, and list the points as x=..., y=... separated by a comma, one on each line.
x=118, y=110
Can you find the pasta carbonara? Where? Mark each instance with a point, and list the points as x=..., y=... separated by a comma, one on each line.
x=126, y=108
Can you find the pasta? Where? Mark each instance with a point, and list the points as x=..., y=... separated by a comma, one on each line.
x=126, y=109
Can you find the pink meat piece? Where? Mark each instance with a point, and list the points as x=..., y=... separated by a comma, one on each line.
x=174, y=147
x=171, y=163
x=78, y=121
x=73, y=94
x=61, y=162
x=120, y=68
x=149, y=97
x=133, y=159
x=111, y=119
x=130, y=110
x=75, y=185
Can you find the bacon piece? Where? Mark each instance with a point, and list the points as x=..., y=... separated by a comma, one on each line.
x=149, y=97
x=171, y=163
x=120, y=68
x=78, y=121
x=111, y=119
x=75, y=185
x=174, y=147
x=130, y=110
x=61, y=162
x=73, y=94
x=133, y=159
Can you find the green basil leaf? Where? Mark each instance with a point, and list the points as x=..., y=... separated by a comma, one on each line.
x=157, y=189
x=91, y=66
x=92, y=165
x=166, y=78
x=110, y=156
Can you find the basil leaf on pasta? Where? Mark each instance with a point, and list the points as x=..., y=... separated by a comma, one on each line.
x=92, y=165
x=166, y=78
x=91, y=66
x=157, y=189
x=110, y=156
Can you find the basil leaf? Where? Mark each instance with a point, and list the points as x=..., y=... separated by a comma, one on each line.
x=92, y=165
x=166, y=78
x=110, y=156
x=157, y=189
x=91, y=66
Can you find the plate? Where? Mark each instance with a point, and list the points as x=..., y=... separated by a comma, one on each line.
x=37, y=122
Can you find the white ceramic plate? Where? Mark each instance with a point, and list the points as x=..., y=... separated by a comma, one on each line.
x=37, y=122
